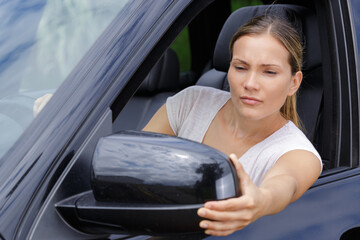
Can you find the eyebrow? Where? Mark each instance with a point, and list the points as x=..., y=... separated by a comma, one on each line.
x=270, y=65
x=264, y=65
x=239, y=60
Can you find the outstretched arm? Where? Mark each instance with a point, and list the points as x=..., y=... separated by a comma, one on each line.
x=290, y=177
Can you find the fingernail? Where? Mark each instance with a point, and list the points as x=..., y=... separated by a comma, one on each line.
x=208, y=205
x=203, y=225
x=202, y=213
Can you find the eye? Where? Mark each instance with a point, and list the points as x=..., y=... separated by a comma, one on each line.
x=239, y=68
x=270, y=72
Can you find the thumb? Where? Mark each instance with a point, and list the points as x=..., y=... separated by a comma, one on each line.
x=244, y=178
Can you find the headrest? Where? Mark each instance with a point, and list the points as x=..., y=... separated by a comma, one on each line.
x=301, y=18
x=164, y=76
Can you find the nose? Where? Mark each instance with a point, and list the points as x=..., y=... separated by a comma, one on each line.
x=251, y=81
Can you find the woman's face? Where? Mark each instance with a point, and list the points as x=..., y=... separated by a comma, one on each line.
x=260, y=76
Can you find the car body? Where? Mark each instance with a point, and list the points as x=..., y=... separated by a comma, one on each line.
x=48, y=158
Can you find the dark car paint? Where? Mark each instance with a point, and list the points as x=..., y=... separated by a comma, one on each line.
x=125, y=155
x=60, y=134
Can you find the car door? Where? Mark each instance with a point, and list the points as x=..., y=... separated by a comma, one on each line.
x=36, y=170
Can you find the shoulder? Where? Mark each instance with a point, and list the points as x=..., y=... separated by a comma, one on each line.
x=286, y=139
x=198, y=94
x=203, y=90
x=290, y=138
x=294, y=136
x=190, y=110
x=290, y=132
x=283, y=145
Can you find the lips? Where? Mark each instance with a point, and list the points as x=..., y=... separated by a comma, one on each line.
x=250, y=100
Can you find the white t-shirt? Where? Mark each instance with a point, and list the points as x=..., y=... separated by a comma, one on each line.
x=192, y=110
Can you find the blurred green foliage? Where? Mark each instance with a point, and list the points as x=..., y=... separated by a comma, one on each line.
x=182, y=43
x=181, y=46
x=235, y=4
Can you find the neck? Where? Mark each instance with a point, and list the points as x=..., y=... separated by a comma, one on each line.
x=242, y=127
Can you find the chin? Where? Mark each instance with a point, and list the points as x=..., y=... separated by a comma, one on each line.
x=256, y=115
x=252, y=116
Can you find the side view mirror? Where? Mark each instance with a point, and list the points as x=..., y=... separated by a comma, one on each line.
x=149, y=183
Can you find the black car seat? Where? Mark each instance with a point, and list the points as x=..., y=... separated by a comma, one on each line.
x=161, y=82
x=311, y=91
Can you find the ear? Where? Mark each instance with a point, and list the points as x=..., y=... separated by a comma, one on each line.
x=295, y=83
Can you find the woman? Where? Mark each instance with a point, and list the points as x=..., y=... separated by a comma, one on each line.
x=256, y=124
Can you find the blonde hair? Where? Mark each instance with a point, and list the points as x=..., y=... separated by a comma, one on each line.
x=289, y=37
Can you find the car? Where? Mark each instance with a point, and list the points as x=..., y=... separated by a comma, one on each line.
x=109, y=65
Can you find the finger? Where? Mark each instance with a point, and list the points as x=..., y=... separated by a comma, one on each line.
x=239, y=215
x=222, y=228
x=232, y=204
x=215, y=215
x=219, y=226
x=238, y=166
x=218, y=233
x=234, y=160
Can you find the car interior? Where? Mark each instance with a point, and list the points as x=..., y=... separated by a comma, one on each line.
x=164, y=80
x=209, y=39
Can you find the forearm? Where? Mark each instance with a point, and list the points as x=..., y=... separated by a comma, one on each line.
x=278, y=192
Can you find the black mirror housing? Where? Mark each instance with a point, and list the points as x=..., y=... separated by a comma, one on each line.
x=140, y=167
x=149, y=183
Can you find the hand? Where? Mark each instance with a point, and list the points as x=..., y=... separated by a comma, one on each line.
x=40, y=103
x=228, y=216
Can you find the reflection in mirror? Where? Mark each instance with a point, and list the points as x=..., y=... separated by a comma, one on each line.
x=141, y=167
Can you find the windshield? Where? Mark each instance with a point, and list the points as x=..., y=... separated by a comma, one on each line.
x=40, y=43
